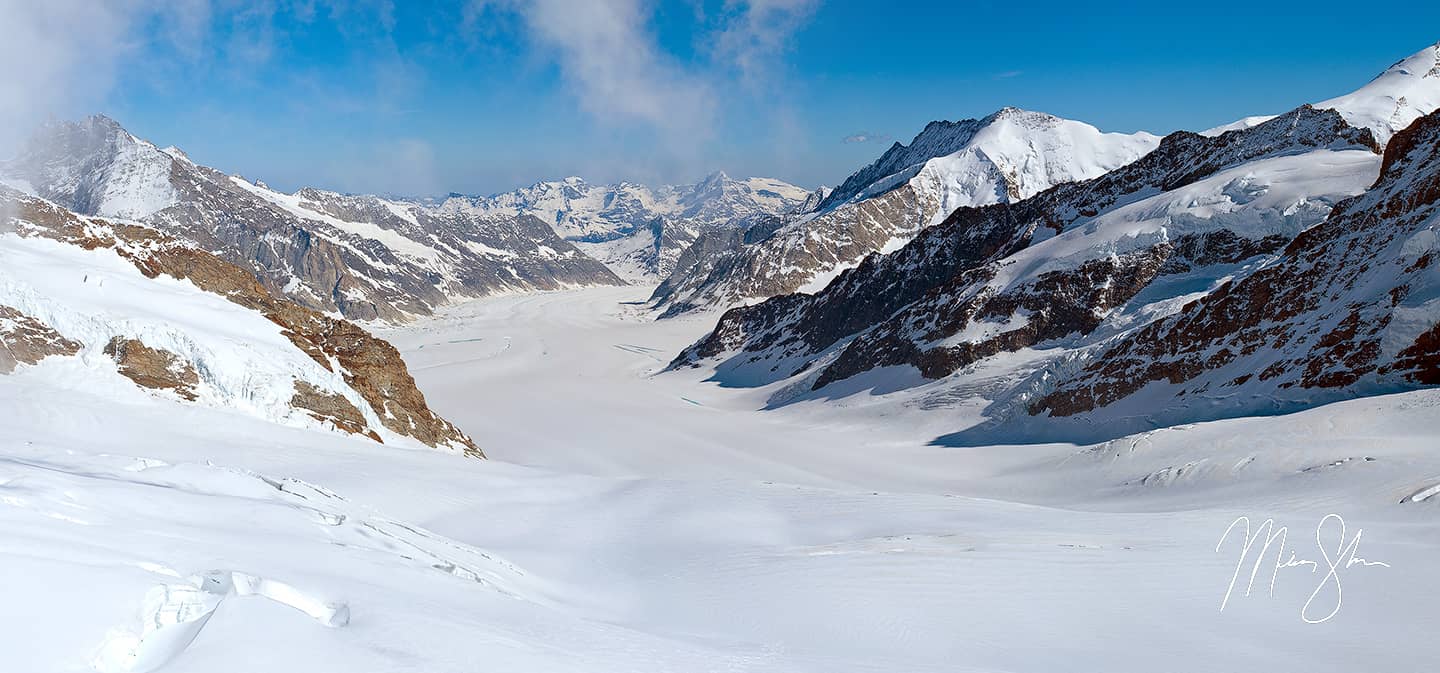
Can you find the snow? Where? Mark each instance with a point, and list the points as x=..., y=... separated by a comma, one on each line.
x=391, y=239
x=139, y=181
x=1238, y=125
x=665, y=525
x=244, y=363
x=579, y=211
x=1403, y=93
x=1011, y=155
x=1278, y=195
x=1033, y=152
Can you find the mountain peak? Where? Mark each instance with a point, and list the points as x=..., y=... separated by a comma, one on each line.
x=104, y=120
x=1404, y=92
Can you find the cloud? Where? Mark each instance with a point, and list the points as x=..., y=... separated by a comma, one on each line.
x=613, y=65
x=758, y=34
x=1008, y=74
x=53, y=56
x=61, y=58
x=864, y=137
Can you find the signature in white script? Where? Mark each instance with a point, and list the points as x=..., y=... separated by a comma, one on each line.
x=1328, y=593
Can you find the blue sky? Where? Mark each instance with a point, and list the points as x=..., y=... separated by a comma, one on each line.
x=483, y=96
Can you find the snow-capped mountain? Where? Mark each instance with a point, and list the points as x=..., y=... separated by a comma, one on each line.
x=1392, y=101
x=1388, y=104
x=1350, y=307
x=637, y=230
x=363, y=257
x=916, y=305
x=580, y=211
x=1236, y=272
x=1010, y=155
x=90, y=303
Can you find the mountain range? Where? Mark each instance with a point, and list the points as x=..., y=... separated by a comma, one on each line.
x=1261, y=268
x=1009, y=155
x=638, y=230
x=1057, y=268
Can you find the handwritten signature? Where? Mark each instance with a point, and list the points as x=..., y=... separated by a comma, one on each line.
x=1346, y=555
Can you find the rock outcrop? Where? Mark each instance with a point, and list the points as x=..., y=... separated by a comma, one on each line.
x=25, y=340
x=153, y=368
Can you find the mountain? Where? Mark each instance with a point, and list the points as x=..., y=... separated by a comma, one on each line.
x=1244, y=271
x=1351, y=307
x=638, y=230
x=1389, y=103
x=1397, y=97
x=362, y=257
x=1111, y=234
x=95, y=302
x=1007, y=156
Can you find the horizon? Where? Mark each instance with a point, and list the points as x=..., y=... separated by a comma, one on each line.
x=368, y=96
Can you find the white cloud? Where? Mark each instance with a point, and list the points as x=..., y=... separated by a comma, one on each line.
x=864, y=137
x=54, y=55
x=59, y=58
x=758, y=34
x=612, y=62
x=613, y=65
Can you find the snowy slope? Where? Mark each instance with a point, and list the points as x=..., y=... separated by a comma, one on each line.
x=196, y=540
x=174, y=321
x=1350, y=308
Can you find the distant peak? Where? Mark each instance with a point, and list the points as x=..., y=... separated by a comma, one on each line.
x=103, y=121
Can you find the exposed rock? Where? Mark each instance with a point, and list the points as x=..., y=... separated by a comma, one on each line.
x=333, y=408
x=25, y=340
x=154, y=368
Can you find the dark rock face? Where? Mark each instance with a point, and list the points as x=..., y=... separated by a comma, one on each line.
x=932, y=305
x=359, y=256
x=1348, y=309
x=371, y=367
x=25, y=340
